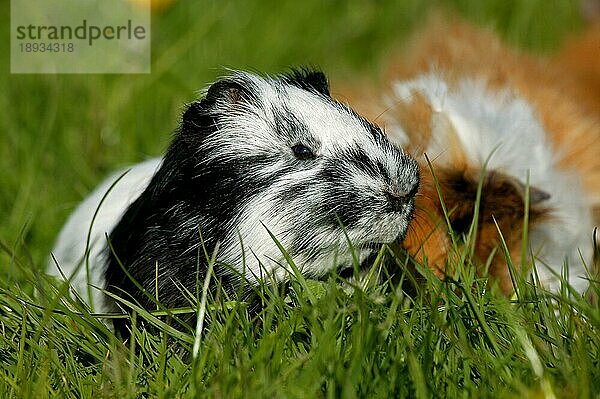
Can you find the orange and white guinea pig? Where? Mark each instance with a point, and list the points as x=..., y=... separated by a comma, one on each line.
x=483, y=112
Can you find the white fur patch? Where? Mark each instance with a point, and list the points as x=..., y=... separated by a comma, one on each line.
x=70, y=247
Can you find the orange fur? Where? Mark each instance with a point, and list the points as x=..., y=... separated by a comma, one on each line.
x=415, y=117
x=560, y=92
x=580, y=56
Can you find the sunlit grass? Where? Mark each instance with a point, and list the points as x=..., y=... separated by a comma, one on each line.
x=313, y=339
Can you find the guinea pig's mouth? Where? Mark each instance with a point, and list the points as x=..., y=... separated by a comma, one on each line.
x=365, y=263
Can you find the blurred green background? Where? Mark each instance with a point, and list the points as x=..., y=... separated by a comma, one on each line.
x=61, y=134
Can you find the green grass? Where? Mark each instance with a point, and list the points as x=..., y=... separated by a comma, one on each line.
x=453, y=338
x=61, y=134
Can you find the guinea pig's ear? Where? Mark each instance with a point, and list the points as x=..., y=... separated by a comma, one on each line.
x=227, y=91
x=307, y=79
x=536, y=195
x=220, y=95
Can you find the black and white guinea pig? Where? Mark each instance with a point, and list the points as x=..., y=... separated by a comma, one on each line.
x=255, y=155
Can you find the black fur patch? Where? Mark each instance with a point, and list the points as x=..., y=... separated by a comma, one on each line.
x=308, y=79
x=162, y=228
x=361, y=161
x=288, y=125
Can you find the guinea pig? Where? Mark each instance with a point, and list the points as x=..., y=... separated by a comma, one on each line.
x=255, y=157
x=484, y=113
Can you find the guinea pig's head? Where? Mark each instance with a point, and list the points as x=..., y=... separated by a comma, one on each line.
x=500, y=212
x=279, y=156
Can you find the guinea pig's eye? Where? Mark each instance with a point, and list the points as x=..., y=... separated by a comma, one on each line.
x=302, y=152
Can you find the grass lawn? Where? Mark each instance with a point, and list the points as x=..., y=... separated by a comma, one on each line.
x=61, y=134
